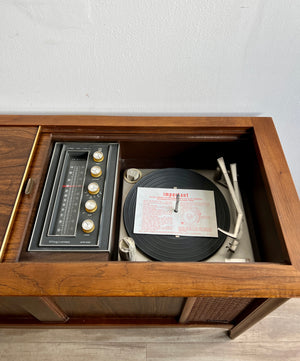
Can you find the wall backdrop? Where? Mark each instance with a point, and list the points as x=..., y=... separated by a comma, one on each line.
x=172, y=57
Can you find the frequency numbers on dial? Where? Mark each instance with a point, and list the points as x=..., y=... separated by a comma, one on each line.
x=70, y=200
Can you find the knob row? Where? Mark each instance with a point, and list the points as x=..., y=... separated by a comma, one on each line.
x=93, y=188
x=90, y=206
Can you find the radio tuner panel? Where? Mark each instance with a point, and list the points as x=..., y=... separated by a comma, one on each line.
x=75, y=211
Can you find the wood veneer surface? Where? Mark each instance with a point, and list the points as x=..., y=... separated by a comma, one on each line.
x=126, y=121
x=112, y=279
x=15, y=146
x=283, y=195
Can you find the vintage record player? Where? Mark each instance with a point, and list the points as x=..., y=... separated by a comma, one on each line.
x=162, y=247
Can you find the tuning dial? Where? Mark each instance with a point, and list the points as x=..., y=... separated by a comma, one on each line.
x=96, y=171
x=98, y=156
x=93, y=188
x=88, y=226
x=90, y=206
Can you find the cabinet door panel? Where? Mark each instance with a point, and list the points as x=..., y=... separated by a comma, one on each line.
x=120, y=306
x=15, y=145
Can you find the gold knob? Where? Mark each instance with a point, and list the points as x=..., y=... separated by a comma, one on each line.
x=88, y=226
x=93, y=188
x=96, y=171
x=90, y=206
x=98, y=156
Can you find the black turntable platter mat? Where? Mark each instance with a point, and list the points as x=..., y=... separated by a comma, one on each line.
x=168, y=247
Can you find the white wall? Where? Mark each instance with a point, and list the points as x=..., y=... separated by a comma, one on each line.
x=202, y=57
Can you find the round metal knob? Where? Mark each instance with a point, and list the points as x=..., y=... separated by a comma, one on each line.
x=96, y=171
x=93, y=188
x=98, y=156
x=132, y=175
x=88, y=226
x=90, y=206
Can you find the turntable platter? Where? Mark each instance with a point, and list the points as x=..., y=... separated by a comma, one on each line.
x=168, y=247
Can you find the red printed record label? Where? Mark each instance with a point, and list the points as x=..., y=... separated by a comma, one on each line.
x=182, y=212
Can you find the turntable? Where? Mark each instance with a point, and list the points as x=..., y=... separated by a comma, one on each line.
x=164, y=208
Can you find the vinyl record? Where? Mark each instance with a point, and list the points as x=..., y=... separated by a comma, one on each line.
x=171, y=248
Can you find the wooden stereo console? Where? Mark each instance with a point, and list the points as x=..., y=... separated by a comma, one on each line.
x=67, y=288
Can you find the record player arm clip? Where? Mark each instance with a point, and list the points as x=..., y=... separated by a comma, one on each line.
x=234, y=195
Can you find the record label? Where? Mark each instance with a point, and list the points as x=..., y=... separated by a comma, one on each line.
x=179, y=212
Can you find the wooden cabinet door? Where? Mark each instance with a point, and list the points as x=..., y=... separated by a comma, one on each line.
x=15, y=145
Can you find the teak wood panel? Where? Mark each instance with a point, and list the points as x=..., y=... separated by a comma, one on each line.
x=30, y=309
x=135, y=123
x=113, y=279
x=79, y=307
x=15, y=146
x=13, y=307
x=163, y=279
x=29, y=202
x=283, y=194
